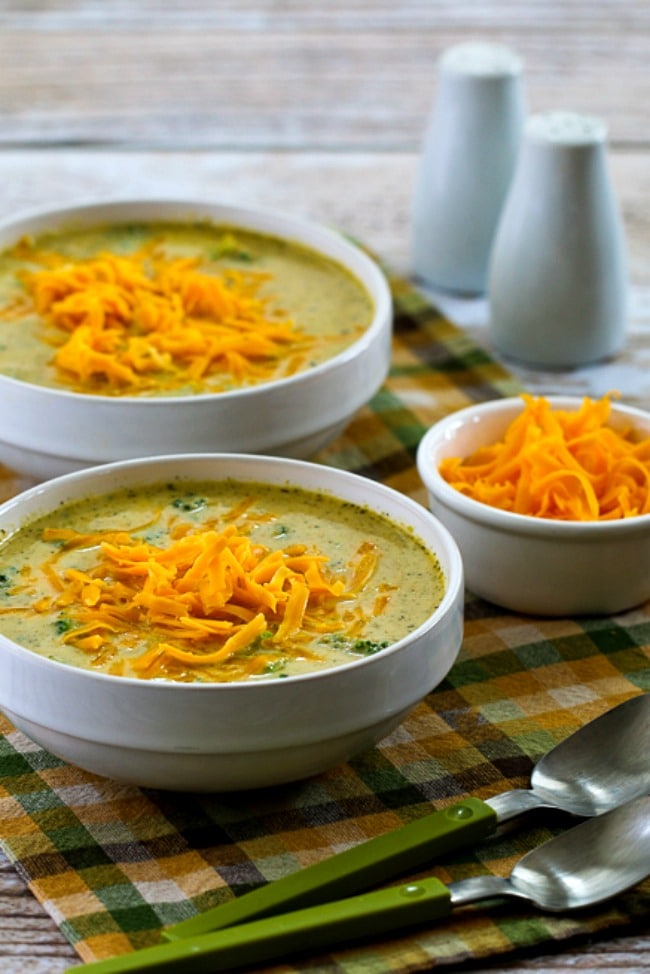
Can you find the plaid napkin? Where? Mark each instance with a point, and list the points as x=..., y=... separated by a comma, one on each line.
x=112, y=864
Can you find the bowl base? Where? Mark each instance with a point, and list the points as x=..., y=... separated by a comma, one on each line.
x=199, y=772
x=44, y=466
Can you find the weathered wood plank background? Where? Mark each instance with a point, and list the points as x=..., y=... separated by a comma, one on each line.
x=297, y=75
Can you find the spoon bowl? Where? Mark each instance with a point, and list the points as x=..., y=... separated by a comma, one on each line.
x=578, y=775
x=581, y=867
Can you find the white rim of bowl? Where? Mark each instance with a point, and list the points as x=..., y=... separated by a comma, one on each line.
x=484, y=514
x=381, y=300
x=454, y=578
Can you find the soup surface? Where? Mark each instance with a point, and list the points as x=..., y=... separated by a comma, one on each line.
x=213, y=581
x=153, y=309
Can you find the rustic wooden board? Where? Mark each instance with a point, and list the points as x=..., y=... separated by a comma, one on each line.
x=294, y=75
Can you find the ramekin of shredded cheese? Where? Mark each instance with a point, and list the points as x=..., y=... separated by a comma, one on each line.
x=548, y=500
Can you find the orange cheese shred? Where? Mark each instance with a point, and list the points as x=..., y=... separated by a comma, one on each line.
x=126, y=324
x=208, y=598
x=560, y=464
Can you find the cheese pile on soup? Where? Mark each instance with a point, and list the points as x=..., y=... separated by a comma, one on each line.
x=171, y=309
x=213, y=582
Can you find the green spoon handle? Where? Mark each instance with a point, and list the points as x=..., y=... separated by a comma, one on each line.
x=377, y=913
x=363, y=866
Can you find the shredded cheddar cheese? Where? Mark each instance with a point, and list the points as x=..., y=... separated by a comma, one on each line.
x=125, y=324
x=559, y=464
x=208, y=598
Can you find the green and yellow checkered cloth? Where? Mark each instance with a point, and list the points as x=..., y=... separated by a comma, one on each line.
x=112, y=864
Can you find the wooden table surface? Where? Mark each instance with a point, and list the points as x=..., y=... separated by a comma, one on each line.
x=317, y=109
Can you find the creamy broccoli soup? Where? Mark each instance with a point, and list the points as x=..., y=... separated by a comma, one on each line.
x=213, y=581
x=150, y=309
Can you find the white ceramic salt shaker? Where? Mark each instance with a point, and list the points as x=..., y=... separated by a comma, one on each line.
x=467, y=161
x=558, y=271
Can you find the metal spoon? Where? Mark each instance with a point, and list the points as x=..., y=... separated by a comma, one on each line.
x=583, y=866
x=597, y=768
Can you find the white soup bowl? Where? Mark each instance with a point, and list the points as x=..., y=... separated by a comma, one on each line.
x=45, y=432
x=224, y=736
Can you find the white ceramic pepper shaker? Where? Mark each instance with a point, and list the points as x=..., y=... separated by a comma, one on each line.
x=467, y=161
x=558, y=276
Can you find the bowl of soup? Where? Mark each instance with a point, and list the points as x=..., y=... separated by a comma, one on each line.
x=220, y=621
x=548, y=499
x=139, y=328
